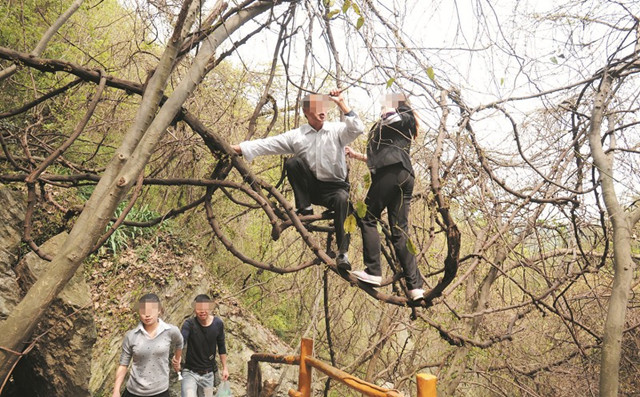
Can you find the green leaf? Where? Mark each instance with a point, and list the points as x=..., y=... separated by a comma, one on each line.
x=346, y=6
x=333, y=14
x=361, y=209
x=367, y=181
x=360, y=23
x=502, y=81
x=554, y=60
x=356, y=9
x=390, y=82
x=431, y=74
x=379, y=227
x=411, y=247
x=350, y=224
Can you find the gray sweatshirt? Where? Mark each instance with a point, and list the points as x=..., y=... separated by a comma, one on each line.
x=150, y=368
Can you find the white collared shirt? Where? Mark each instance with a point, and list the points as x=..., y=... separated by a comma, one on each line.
x=162, y=326
x=323, y=150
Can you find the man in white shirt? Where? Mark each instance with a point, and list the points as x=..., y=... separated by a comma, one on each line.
x=317, y=171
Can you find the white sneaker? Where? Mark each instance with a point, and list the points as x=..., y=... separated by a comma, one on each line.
x=367, y=278
x=416, y=294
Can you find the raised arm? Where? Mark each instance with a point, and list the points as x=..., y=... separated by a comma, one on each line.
x=353, y=126
x=338, y=99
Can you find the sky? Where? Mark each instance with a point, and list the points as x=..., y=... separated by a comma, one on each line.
x=477, y=58
x=489, y=50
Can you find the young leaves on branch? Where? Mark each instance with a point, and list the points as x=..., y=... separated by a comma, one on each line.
x=350, y=224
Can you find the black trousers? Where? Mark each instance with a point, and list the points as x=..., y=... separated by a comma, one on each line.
x=391, y=188
x=308, y=190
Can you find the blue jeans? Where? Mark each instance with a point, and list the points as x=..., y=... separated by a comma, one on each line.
x=196, y=385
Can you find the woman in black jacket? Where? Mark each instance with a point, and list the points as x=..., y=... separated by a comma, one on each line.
x=392, y=180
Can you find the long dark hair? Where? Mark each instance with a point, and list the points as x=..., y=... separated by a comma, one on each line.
x=404, y=107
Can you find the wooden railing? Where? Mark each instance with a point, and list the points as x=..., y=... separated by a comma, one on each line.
x=306, y=361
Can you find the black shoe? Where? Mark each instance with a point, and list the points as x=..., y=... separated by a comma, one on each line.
x=328, y=213
x=343, y=263
x=304, y=211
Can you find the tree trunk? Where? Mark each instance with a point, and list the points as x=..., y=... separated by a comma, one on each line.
x=383, y=329
x=623, y=264
x=477, y=298
x=128, y=162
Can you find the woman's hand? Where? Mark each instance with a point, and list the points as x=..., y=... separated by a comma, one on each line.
x=176, y=363
x=354, y=154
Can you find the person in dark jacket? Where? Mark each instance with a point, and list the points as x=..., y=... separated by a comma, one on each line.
x=203, y=335
x=392, y=179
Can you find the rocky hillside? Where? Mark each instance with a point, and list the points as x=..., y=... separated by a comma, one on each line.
x=79, y=342
x=177, y=276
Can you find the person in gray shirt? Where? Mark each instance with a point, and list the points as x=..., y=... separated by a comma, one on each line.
x=147, y=348
x=317, y=171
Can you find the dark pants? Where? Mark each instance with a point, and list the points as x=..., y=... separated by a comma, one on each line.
x=127, y=393
x=391, y=188
x=308, y=190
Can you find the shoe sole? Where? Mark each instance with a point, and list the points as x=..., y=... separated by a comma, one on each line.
x=369, y=282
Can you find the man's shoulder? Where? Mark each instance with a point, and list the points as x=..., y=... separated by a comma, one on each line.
x=302, y=129
x=187, y=323
x=217, y=323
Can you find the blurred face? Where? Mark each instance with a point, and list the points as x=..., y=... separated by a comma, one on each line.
x=149, y=312
x=203, y=309
x=391, y=100
x=316, y=113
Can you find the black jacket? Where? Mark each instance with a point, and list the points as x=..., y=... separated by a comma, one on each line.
x=390, y=144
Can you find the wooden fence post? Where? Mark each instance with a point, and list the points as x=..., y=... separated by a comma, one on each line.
x=304, y=379
x=254, y=378
x=426, y=385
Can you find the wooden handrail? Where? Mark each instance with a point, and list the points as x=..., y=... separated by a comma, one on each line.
x=426, y=382
x=353, y=382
